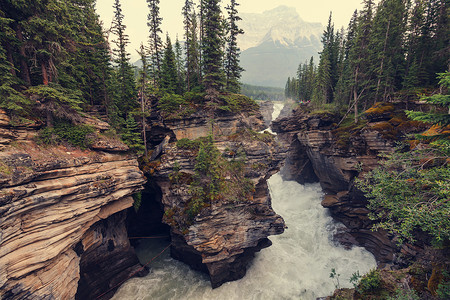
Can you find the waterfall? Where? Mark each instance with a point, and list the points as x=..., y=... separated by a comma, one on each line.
x=296, y=266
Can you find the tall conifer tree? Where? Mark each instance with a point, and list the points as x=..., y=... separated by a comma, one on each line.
x=154, y=24
x=212, y=45
x=232, y=68
x=169, y=69
x=126, y=99
x=188, y=15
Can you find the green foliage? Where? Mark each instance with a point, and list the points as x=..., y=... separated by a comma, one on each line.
x=355, y=279
x=238, y=103
x=169, y=73
x=410, y=191
x=10, y=99
x=216, y=178
x=335, y=277
x=443, y=291
x=262, y=92
x=171, y=103
x=76, y=135
x=369, y=282
x=137, y=197
x=56, y=96
x=132, y=136
x=232, y=68
x=189, y=144
x=401, y=294
x=441, y=117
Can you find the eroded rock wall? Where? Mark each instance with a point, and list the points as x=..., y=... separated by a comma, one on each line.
x=337, y=159
x=51, y=201
x=223, y=238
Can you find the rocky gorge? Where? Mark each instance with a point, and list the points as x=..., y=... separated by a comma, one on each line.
x=321, y=149
x=67, y=217
x=65, y=210
x=223, y=237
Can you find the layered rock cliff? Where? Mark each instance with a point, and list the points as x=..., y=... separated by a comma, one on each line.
x=61, y=219
x=320, y=150
x=219, y=233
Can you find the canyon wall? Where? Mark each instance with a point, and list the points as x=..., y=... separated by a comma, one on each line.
x=61, y=216
x=224, y=236
x=320, y=150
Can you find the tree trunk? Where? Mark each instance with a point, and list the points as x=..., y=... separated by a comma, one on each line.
x=144, y=133
x=44, y=74
x=355, y=94
x=24, y=72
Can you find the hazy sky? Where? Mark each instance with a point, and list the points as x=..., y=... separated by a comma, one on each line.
x=136, y=11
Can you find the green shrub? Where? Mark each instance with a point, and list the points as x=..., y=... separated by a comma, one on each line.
x=188, y=144
x=410, y=191
x=170, y=103
x=137, y=197
x=401, y=294
x=443, y=291
x=237, y=103
x=369, y=282
x=76, y=135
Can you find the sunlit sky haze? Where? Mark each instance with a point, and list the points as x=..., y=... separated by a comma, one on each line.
x=135, y=12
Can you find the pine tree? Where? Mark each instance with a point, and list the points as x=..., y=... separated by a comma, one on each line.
x=386, y=47
x=232, y=68
x=154, y=24
x=328, y=65
x=212, y=45
x=169, y=69
x=442, y=119
x=188, y=21
x=343, y=91
x=181, y=74
x=143, y=76
x=131, y=135
x=194, y=55
x=10, y=99
x=126, y=100
x=359, y=56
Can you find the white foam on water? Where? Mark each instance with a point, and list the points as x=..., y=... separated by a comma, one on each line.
x=296, y=266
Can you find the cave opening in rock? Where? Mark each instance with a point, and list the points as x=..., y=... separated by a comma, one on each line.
x=146, y=222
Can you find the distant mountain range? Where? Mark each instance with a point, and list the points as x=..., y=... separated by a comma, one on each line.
x=274, y=43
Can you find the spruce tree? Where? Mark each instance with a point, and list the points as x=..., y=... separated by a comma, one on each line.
x=10, y=99
x=232, y=68
x=359, y=56
x=181, y=74
x=143, y=77
x=169, y=69
x=212, y=45
x=131, y=135
x=126, y=100
x=155, y=42
x=386, y=47
x=188, y=15
x=193, y=64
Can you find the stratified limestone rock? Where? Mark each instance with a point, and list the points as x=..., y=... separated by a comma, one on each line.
x=225, y=123
x=224, y=236
x=107, y=258
x=49, y=200
x=338, y=157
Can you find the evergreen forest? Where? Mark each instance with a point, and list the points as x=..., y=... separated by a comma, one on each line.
x=59, y=66
x=57, y=63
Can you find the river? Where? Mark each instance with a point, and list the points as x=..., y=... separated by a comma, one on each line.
x=296, y=266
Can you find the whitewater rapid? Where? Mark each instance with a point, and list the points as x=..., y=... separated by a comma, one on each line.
x=296, y=266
